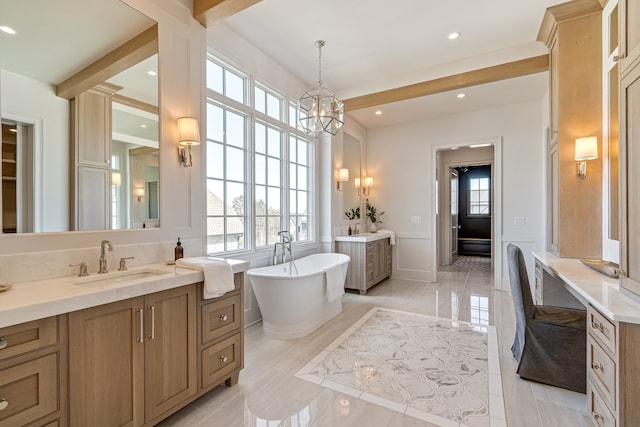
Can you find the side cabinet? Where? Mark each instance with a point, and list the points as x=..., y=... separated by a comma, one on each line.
x=221, y=340
x=33, y=373
x=370, y=263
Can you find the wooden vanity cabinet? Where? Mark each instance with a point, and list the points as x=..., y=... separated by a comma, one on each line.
x=33, y=373
x=133, y=362
x=370, y=262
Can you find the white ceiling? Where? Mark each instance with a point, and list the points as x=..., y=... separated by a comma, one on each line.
x=374, y=45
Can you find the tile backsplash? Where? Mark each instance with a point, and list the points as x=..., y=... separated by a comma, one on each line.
x=26, y=267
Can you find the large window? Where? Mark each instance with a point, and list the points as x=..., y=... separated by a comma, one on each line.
x=258, y=164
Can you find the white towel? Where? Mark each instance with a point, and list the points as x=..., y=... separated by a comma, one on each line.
x=218, y=275
x=392, y=235
x=336, y=275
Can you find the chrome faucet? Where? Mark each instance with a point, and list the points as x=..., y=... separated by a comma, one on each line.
x=103, y=259
x=285, y=242
x=356, y=227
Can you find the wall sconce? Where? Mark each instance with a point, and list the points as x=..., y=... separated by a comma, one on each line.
x=343, y=176
x=140, y=193
x=116, y=179
x=188, y=135
x=368, y=183
x=356, y=182
x=586, y=149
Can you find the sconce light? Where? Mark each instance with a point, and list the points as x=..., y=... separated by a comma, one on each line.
x=188, y=135
x=368, y=183
x=140, y=193
x=586, y=149
x=343, y=176
x=356, y=182
x=116, y=179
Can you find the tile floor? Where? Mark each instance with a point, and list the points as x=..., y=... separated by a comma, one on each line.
x=269, y=394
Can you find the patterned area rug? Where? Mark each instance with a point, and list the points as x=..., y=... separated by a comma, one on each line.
x=438, y=370
x=474, y=262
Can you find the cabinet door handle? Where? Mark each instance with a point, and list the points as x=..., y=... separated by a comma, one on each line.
x=596, y=416
x=141, y=313
x=224, y=317
x=596, y=366
x=597, y=326
x=223, y=359
x=3, y=343
x=153, y=322
x=3, y=404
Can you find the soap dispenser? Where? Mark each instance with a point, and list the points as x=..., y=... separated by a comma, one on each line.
x=179, y=250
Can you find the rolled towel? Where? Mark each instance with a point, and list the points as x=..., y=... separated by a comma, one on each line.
x=218, y=275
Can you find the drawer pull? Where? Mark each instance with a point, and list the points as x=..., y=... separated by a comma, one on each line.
x=597, y=326
x=223, y=359
x=141, y=313
x=596, y=416
x=3, y=404
x=224, y=317
x=596, y=366
x=153, y=321
x=3, y=343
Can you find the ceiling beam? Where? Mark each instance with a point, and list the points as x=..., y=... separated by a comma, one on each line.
x=121, y=58
x=208, y=12
x=494, y=73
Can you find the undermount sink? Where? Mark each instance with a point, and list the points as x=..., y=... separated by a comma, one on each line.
x=118, y=277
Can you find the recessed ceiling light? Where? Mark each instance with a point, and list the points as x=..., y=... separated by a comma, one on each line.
x=461, y=95
x=152, y=73
x=479, y=145
x=454, y=148
x=454, y=36
x=7, y=30
x=143, y=126
x=378, y=113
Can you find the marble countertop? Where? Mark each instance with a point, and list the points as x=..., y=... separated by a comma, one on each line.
x=364, y=237
x=600, y=291
x=29, y=301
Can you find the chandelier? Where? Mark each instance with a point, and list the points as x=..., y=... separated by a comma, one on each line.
x=319, y=109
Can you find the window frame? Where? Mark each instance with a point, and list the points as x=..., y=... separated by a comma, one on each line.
x=287, y=131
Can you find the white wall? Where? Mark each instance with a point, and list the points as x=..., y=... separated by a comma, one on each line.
x=400, y=160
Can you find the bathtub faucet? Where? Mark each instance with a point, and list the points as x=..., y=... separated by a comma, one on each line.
x=285, y=242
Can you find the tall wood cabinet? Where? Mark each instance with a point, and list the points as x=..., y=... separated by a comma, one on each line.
x=630, y=146
x=572, y=31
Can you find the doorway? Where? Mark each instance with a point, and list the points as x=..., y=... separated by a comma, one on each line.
x=471, y=233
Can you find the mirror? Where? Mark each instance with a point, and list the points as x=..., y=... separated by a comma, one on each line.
x=350, y=161
x=79, y=110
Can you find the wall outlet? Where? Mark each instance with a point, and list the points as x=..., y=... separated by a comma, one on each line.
x=518, y=220
x=416, y=220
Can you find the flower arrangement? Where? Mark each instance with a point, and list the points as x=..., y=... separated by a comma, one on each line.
x=354, y=214
x=373, y=214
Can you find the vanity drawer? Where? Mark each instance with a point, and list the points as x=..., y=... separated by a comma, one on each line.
x=25, y=337
x=602, y=328
x=220, y=317
x=599, y=413
x=219, y=360
x=30, y=390
x=602, y=370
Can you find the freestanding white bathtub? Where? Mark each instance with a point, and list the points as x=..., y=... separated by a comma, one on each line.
x=294, y=305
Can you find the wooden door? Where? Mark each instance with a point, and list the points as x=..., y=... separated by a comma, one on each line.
x=629, y=33
x=630, y=180
x=170, y=349
x=106, y=365
x=453, y=203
